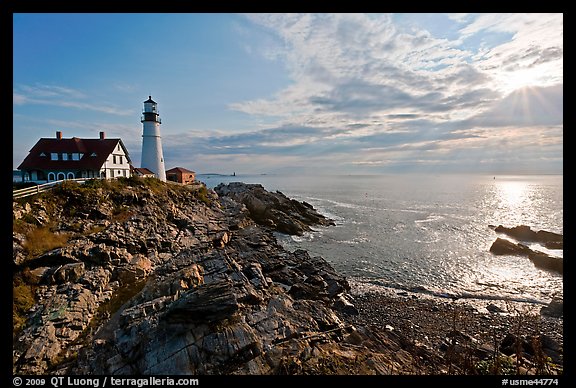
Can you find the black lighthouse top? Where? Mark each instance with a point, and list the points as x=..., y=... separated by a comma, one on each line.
x=150, y=112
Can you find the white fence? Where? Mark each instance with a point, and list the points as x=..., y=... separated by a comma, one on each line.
x=21, y=193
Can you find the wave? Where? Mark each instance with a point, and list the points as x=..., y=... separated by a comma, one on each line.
x=354, y=241
x=362, y=286
x=349, y=205
x=430, y=218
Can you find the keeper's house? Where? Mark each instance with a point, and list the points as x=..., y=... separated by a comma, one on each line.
x=53, y=159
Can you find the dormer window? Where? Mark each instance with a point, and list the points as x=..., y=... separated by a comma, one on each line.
x=42, y=154
x=93, y=154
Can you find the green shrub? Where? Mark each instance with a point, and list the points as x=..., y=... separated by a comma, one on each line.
x=202, y=195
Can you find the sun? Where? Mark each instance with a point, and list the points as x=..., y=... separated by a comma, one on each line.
x=510, y=81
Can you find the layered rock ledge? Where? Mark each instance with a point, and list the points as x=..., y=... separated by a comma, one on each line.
x=152, y=278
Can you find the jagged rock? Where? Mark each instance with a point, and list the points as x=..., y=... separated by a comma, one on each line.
x=273, y=210
x=68, y=273
x=207, y=302
x=344, y=305
x=554, y=309
x=524, y=233
x=494, y=309
x=253, y=272
x=505, y=247
x=539, y=259
x=544, y=261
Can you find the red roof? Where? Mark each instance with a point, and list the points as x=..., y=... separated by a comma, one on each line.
x=95, y=152
x=143, y=171
x=179, y=169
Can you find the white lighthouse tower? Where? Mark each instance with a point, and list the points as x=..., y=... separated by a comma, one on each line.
x=152, y=157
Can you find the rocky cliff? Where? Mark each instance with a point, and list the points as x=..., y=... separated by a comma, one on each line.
x=153, y=278
x=139, y=277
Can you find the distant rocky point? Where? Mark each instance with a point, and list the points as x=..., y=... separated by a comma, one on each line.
x=274, y=209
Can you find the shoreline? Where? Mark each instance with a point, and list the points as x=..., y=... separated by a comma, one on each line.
x=216, y=280
x=430, y=327
x=479, y=302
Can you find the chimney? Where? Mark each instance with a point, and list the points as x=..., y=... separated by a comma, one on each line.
x=59, y=135
x=102, y=135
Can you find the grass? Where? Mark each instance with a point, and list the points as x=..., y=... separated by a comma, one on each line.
x=23, y=299
x=42, y=239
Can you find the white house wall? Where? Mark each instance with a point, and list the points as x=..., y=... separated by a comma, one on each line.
x=117, y=164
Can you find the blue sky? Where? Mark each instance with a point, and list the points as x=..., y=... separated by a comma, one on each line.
x=302, y=93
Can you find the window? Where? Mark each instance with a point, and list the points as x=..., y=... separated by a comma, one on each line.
x=93, y=154
x=64, y=156
x=53, y=156
x=75, y=156
x=51, y=176
x=61, y=176
x=42, y=154
x=121, y=161
x=114, y=159
x=70, y=175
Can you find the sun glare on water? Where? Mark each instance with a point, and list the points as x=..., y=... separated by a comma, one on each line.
x=511, y=194
x=513, y=202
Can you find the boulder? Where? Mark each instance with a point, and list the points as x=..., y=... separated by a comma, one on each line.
x=506, y=247
x=207, y=302
x=554, y=309
x=525, y=233
x=539, y=259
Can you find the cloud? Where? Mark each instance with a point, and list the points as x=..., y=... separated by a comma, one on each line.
x=524, y=107
x=349, y=66
x=375, y=95
x=53, y=95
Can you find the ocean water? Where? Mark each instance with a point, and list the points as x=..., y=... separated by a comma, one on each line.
x=427, y=234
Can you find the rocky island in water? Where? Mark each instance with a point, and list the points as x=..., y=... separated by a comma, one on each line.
x=139, y=277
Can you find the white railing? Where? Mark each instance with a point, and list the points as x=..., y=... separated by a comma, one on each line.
x=21, y=193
